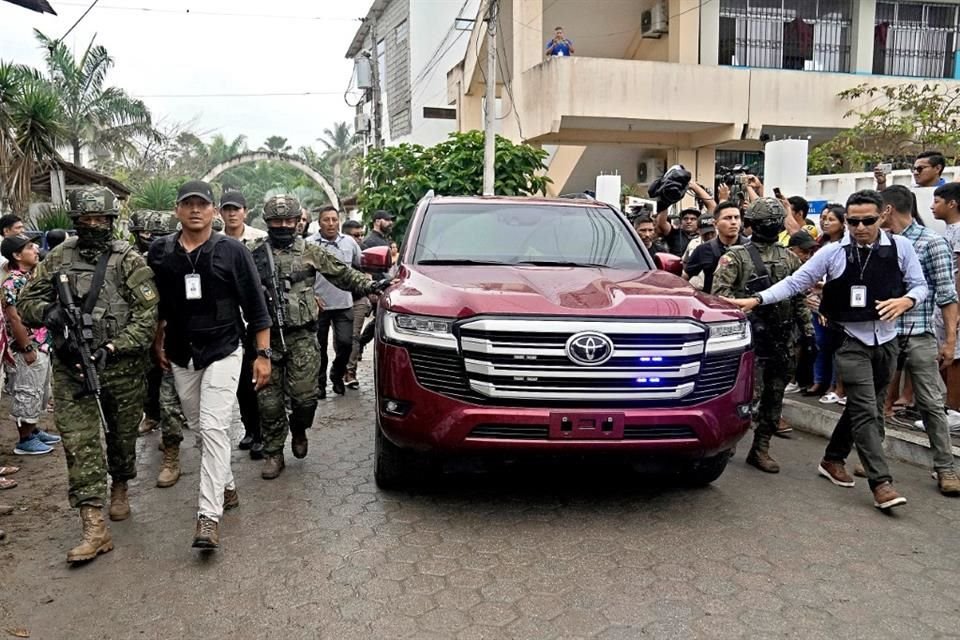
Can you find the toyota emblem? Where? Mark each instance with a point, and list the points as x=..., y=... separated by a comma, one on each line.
x=589, y=348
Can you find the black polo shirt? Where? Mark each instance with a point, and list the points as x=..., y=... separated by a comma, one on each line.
x=211, y=328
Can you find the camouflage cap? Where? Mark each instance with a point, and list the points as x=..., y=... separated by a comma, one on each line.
x=765, y=209
x=281, y=207
x=92, y=201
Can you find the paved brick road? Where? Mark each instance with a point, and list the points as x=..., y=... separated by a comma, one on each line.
x=531, y=552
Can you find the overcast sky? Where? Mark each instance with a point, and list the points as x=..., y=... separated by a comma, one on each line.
x=183, y=48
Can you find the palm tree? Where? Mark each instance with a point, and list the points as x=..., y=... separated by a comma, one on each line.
x=31, y=128
x=219, y=150
x=103, y=119
x=276, y=144
x=341, y=146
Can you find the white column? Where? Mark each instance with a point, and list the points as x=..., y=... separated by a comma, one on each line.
x=861, y=40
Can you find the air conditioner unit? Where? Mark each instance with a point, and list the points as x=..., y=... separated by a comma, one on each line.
x=650, y=169
x=361, y=123
x=653, y=19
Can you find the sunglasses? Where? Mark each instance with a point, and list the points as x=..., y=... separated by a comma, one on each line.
x=919, y=169
x=867, y=222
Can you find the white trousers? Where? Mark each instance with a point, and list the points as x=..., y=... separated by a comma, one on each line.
x=207, y=397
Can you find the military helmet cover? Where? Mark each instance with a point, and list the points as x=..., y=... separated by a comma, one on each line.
x=765, y=210
x=92, y=201
x=281, y=207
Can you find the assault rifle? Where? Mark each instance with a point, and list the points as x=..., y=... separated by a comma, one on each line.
x=79, y=335
x=277, y=292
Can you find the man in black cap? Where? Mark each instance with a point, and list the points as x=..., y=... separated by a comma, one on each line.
x=802, y=245
x=206, y=280
x=379, y=235
x=233, y=210
x=678, y=239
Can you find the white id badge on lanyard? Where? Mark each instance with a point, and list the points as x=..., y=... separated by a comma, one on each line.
x=858, y=297
x=191, y=283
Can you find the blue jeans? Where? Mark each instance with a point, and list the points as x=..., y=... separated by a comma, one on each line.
x=827, y=340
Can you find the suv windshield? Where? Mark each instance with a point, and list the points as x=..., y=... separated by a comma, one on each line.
x=536, y=234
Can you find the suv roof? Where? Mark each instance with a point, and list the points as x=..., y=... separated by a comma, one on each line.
x=569, y=202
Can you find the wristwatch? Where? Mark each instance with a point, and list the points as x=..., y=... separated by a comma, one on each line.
x=265, y=353
x=30, y=347
x=758, y=298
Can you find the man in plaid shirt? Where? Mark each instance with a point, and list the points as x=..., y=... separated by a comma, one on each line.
x=920, y=353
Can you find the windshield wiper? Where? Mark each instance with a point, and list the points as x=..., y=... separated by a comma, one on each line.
x=459, y=261
x=561, y=263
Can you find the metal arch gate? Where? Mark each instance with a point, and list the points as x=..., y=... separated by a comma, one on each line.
x=258, y=156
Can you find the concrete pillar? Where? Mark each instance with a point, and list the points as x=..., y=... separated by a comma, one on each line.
x=527, y=48
x=564, y=161
x=706, y=169
x=861, y=39
x=684, y=36
x=709, y=33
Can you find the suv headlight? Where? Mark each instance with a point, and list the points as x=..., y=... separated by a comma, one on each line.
x=425, y=330
x=728, y=336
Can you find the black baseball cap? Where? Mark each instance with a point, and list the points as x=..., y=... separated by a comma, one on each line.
x=690, y=212
x=233, y=198
x=383, y=215
x=197, y=188
x=707, y=222
x=13, y=244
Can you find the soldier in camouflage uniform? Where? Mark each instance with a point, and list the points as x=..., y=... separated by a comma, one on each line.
x=124, y=311
x=295, y=355
x=161, y=405
x=775, y=327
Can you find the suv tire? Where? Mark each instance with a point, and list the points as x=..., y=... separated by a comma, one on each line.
x=392, y=466
x=703, y=472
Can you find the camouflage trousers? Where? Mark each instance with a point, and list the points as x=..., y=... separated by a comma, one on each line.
x=772, y=372
x=163, y=405
x=293, y=379
x=78, y=422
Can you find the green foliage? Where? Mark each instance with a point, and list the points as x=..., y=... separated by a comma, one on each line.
x=396, y=178
x=158, y=194
x=894, y=123
x=52, y=217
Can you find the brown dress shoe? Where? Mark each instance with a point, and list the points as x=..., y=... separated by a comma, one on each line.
x=272, y=467
x=119, y=504
x=836, y=473
x=147, y=425
x=948, y=483
x=207, y=535
x=886, y=497
x=299, y=444
x=859, y=471
x=231, y=499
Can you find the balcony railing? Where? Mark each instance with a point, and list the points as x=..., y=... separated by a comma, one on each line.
x=915, y=39
x=810, y=35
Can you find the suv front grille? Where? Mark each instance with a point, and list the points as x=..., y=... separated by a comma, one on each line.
x=654, y=364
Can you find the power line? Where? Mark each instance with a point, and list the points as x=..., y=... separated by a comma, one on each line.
x=227, y=14
x=84, y=15
x=240, y=95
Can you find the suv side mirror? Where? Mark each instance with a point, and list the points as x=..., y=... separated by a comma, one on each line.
x=376, y=259
x=668, y=262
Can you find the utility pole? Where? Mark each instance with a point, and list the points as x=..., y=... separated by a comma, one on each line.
x=490, y=112
x=375, y=70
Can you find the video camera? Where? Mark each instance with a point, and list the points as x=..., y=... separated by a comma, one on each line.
x=735, y=178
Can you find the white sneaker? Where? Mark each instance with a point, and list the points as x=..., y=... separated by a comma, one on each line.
x=953, y=420
x=829, y=398
x=793, y=387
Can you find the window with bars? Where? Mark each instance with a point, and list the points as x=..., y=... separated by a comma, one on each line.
x=915, y=39
x=810, y=35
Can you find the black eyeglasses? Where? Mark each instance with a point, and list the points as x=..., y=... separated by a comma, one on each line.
x=919, y=169
x=867, y=222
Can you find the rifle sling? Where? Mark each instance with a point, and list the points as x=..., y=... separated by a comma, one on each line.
x=99, y=276
x=759, y=268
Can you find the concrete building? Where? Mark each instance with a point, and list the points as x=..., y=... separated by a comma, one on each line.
x=417, y=42
x=653, y=82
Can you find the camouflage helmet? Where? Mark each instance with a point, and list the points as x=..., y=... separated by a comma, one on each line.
x=92, y=201
x=140, y=220
x=217, y=223
x=162, y=222
x=765, y=210
x=281, y=207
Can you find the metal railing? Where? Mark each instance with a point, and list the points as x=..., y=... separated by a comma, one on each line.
x=915, y=39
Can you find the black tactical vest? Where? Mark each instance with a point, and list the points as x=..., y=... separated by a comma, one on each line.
x=881, y=276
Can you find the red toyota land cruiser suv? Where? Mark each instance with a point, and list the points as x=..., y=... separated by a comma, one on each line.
x=534, y=324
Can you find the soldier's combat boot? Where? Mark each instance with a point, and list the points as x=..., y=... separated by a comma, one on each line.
x=169, y=468
x=119, y=505
x=299, y=444
x=147, y=424
x=272, y=467
x=96, y=535
x=759, y=455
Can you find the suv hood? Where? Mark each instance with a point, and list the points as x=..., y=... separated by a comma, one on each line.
x=464, y=291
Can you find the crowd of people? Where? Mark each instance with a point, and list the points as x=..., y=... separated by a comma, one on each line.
x=860, y=311
x=236, y=325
